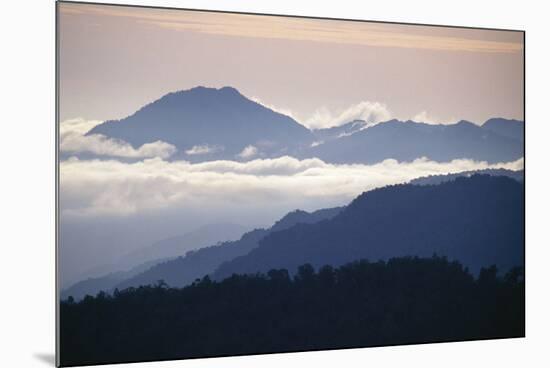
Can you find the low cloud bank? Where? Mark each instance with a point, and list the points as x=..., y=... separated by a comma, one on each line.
x=203, y=149
x=424, y=117
x=73, y=139
x=248, y=152
x=111, y=187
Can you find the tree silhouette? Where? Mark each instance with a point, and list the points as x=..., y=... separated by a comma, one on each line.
x=401, y=301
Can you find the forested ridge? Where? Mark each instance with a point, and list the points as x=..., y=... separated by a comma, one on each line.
x=401, y=301
x=477, y=220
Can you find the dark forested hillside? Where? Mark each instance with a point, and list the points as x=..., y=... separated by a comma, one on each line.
x=177, y=245
x=196, y=264
x=142, y=259
x=402, y=301
x=93, y=285
x=438, y=179
x=477, y=220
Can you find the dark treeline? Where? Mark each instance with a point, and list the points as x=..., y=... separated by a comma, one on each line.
x=401, y=301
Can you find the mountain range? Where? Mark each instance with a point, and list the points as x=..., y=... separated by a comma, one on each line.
x=409, y=140
x=212, y=124
x=191, y=264
x=133, y=263
x=177, y=245
x=206, y=124
x=438, y=179
x=506, y=127
x=195, y=264
x=477, y=220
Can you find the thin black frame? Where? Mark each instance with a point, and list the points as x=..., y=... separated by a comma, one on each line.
x=57, y=289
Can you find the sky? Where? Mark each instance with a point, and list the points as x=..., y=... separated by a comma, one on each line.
x=115, y=59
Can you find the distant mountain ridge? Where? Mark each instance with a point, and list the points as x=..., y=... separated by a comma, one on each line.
x=219, y=123
x=93, y=285
x=438, y=179
x=177, y=245
x=477, y=220
x=208, y=124
x=184, y=269
x=138, y=261
x=195, y=264
x=327, y=134
x=407, y=141
x=506, y=127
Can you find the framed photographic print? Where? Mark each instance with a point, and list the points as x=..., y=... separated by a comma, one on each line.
x=236, y=184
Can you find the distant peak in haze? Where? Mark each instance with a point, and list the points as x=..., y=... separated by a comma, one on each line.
x=205, y=91
x=210, y=117
x=208, y=124
x=229, y=89
x=502, y=121
x=466, y=123
x=510, y=128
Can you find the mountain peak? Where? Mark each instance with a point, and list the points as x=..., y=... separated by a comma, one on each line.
x=208, y=117
x=465, y=123
x=206, y=90
x=229, y=89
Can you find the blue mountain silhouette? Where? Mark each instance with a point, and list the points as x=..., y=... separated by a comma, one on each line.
x=210, y=124
x=506, y=127
x=222, y=119
x=406, y=141
x=477, y=220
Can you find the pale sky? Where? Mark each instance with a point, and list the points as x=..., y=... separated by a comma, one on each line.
x=115, y=59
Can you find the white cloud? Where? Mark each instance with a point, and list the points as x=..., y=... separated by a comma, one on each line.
x=371, y=112
x=424, y=117
x=248, y=152
x=77, y=125
x=110, y=187
x=203, y=149
x=73, y=140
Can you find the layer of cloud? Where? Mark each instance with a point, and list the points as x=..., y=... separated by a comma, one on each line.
x=248, y=152
x=72, y=139
x=425, y=117
x=110, y=187
x=371, y=112
x=203, y=149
